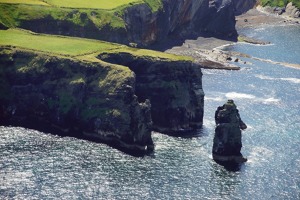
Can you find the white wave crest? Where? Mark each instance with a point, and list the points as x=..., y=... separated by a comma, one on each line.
x=264, y=77
x=293, y=80
x=213, y=98
x=235, y=95
x=271, y=100
x=222, y=97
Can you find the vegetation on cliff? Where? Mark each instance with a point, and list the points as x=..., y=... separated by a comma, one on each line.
x=101, y=13
x=85, y=86
x=80, y=48
x=279, y=3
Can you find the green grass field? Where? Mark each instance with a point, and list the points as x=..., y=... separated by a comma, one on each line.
x=53, y=44
x=280, y=3
x=93, y=4
x=72, y=46
x=33, y=2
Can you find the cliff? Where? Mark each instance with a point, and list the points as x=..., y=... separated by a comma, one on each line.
x=174, y=89
x=72, y=97
x=243, y=6
x=142, y=22
x=96, y=89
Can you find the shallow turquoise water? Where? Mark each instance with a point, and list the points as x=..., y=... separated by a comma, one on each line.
x=35, y=165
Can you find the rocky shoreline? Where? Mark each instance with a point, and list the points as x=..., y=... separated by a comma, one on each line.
x=207, y=51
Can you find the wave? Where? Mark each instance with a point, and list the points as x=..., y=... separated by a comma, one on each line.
x=235, y=95
x=292, y=80
x=223, y=97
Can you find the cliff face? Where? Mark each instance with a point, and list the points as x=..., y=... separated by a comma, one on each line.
x=119, y=103
x=173, y=88
x=72, y=97
x=130, y=24
x=181, y=18
x=243, y=6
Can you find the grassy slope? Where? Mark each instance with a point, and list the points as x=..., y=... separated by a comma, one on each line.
x=74, y=47
x=280, y=3
x=102, y=13
x=94, y=4
x=12, y=15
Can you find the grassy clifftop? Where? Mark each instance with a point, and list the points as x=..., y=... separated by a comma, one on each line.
x=280, y=3
x=95, y=13
x=80, y=48
x=91, y=4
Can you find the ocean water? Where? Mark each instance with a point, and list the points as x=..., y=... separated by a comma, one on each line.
x=35, y=165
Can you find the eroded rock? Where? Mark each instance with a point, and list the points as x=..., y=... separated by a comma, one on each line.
x=227, y=142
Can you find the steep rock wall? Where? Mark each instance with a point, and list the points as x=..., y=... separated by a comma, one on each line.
x=181, y=18
x=243, y=6
x=119, y=103
x=71, y=97
x=173, y=88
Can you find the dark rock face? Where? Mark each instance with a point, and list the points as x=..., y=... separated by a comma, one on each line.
x=75, y=98
x=173, y=88
x=180, y=18
x=99, y=100
x=243, y=6
x=228, y=137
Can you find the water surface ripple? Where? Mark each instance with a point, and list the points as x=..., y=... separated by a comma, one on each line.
x=35, y=165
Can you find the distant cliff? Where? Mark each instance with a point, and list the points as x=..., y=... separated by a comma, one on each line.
x=134, y=23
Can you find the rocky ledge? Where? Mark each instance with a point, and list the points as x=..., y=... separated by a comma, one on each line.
x=119, y=103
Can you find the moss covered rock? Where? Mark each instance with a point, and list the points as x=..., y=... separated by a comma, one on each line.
x=72, y=97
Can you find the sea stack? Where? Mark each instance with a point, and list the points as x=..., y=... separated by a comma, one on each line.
x=227, y=142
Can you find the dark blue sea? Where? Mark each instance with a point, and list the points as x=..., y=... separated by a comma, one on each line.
x=35, y=165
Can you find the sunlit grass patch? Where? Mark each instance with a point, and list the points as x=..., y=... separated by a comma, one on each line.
x=54, y=44
x=33, y=2
x=84, y=49
x=95, y=4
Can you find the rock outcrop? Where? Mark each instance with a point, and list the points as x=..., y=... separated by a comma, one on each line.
x=135, y=24
x=227, y=142
x=71, y=97
x=292, y=10
x=173, y=88
x=243, y=6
